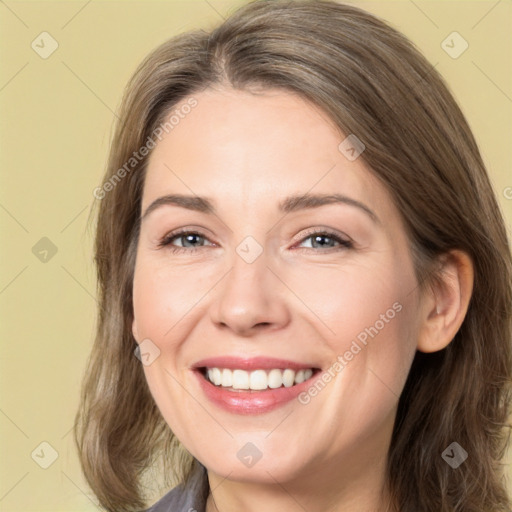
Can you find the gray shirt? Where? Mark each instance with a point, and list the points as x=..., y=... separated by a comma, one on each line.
x=188, y=497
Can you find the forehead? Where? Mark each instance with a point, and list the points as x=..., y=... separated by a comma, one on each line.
x=253, y=148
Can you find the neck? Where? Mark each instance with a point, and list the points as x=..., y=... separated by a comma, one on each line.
x=333, y=487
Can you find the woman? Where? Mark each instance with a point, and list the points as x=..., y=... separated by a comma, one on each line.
x=298, y=237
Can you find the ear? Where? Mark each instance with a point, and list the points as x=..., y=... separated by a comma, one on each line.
x=446, y=301
x=135, y=331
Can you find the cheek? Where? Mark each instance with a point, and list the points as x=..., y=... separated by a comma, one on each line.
x=161, y=302
x=354, y=300
x=368, y=316
x=162, y=298
x=371, y=315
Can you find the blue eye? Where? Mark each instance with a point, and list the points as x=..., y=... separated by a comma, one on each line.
x=189, y=239
x=319, y=236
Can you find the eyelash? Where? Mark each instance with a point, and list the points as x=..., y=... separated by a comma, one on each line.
x=167, y=239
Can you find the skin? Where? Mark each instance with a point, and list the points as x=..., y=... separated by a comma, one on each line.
x=300, y=300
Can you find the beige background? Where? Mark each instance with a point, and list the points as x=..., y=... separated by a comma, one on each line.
x=55, y=127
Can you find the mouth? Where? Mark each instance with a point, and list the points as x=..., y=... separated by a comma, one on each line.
x=256, y=380
x=252, y=386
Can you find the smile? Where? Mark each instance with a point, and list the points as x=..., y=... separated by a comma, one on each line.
x=256, y=380
x=252, y=386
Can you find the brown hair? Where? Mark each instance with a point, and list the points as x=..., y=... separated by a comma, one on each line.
x=372, y=82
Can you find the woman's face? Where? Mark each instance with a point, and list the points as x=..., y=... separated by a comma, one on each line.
x=271, y=279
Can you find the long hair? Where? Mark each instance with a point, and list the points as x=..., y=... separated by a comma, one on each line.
x=371, y=81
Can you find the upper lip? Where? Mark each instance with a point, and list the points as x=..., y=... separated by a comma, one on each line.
x=252, y=363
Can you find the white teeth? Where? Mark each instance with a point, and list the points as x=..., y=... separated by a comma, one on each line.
x=227, y=378
x=257, y=379
x=299, y=377
x=275, y=379
x=216, y=376
x=288, y=378
x=240, y=379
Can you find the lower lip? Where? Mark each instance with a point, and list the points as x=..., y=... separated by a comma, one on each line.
x=251, y=402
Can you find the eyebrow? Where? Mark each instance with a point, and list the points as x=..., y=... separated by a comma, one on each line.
x=288, y=205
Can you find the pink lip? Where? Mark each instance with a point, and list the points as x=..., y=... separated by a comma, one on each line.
x=254, y=363
x=250, y=402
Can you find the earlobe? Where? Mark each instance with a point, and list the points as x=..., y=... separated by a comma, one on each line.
x=446, y=302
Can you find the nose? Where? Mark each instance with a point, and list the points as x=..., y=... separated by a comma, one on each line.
x=250, y=299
